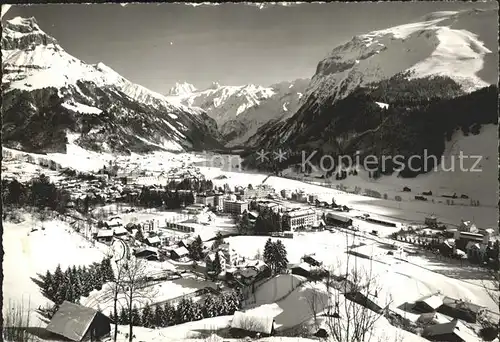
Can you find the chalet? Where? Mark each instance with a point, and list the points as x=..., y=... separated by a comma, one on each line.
x=467, y=226
x=153, y=241
x=186, y=242
x=453, y=331
x=460, y=309
x=406, y=189
x=338, y=220
x=311, y=260
x=475, y=251
x=179, y=253
x=104, y=235
x=302, y=269
x=120, y=231
x=147, y=253
x=79, y=323
x=429, y=303
x=246, y=324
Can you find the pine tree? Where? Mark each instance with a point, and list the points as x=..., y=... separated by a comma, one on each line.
x=211, y=306
x=217, y=267
x=148, y=317
x=124, y=316
x=136, y=316
x=169, y=315
x=197, y=311
x=268, y=254
x=159, y=317
x=196, y=249
x=280, y=259
x=48, y=284
x=184, y=312
x=60, y=294
x=58, y=277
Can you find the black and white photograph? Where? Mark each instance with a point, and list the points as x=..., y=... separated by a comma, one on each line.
x=250, y=171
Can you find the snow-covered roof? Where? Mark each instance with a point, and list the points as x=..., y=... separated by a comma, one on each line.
x=119, y=230
x=153, y=239
x=104, y=233
x=434, y=300
x=181, y=251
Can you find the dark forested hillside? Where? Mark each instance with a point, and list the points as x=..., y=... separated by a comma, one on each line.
x=421, y=115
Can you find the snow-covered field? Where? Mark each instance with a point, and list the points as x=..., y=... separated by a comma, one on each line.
x=28, y=254
x=401, y=281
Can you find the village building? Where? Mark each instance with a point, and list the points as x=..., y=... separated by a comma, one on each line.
x=454, y=331
x=302, y=218
x=120, y=231
x=429, y=303
x=460, y=309
x=467, y=226
x=147, y=253
x=235, y=207
x=260, y=191
x=180, y=253
x=463, y=238
x=219, y=201
x=153, y=241
x=79, y=323
x=246, y=324
x=338, y=220
x=312, y=198
x=230, y=254
x=205, y=199
x=311, y=260
x=104, y=235
x=302, y=269
x=286, y=193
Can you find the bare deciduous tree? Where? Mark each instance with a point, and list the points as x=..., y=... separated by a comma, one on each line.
x=129, y=283
x=134, y=286
x=350, y=314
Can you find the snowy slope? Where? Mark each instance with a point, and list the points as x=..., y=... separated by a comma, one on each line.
x=433, y=45
x=182, y=89
x=38, y=74
x=241, y=110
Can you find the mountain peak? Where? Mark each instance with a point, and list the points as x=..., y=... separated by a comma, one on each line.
x=21, y=33
x=214, y=85
x=180, y=89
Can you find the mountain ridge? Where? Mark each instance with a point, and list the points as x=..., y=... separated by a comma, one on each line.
x=125, y=113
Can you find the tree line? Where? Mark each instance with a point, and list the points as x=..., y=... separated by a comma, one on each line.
x=187, y=310
x=75, y=282
x=38, y=193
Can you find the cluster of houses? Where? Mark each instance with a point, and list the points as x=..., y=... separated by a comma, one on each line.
x=445, y=318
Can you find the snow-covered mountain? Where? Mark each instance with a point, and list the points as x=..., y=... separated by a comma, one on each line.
x=452, y=44
x=182, y=89
x=41, y=81
x=241, y=110
x=419, y=67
